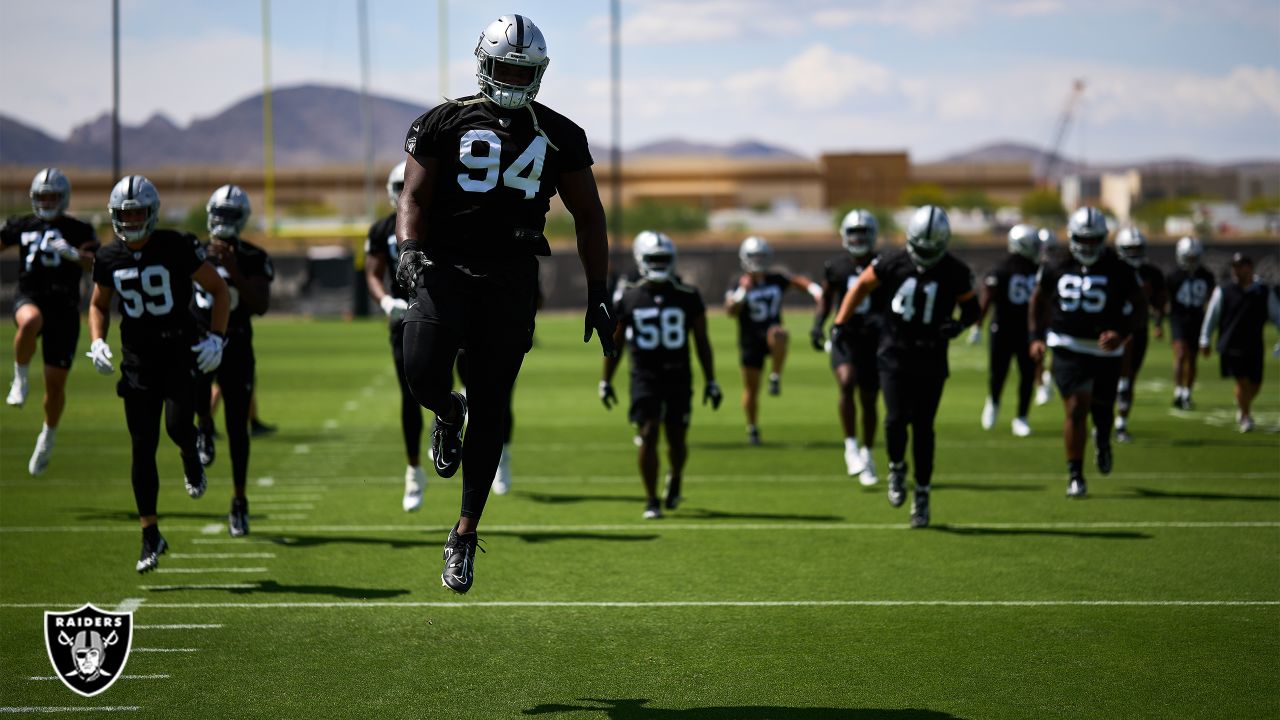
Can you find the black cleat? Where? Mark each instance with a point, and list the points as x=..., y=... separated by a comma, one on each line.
x=446, y=443
x=238, y=518
x=1102, y=454
x=775, y=384
x=150, y=557
x=459, y=561
x=193, y=478
x=257, y=428
x=920, y=510
x=204, y=444
x=753, y=436
x=1076, y=488
x=653, y=511
x=897, y=484
x=673, y=492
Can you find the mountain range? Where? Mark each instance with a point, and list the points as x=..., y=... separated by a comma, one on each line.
x=319, y=125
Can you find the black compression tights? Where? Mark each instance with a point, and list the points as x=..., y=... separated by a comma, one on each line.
x=911, y=401
x=429, y=354
x=237, y=396
x=410, y=413
x=142, y=414
x=1002, y=354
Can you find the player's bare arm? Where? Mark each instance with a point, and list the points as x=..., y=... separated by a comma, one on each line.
x=582, y=200
x=866, y=284
x=212, y=282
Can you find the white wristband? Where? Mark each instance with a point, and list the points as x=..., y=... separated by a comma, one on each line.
x=815, y=290
x=738, y=295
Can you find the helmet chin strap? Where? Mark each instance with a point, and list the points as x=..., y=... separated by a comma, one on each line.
x=482, y=98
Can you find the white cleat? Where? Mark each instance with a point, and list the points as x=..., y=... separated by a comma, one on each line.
x=40, y=458
x=17, y=392
x=868, y=476
x=1246, y=424
x=1043, y=394
x=853, y=460
x=989, y=412
x=1020, y=427
x=415, y=484
x=502, y=478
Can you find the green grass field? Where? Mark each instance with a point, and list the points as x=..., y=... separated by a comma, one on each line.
x=780, y=589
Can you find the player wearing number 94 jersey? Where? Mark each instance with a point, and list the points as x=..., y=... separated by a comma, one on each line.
x=926, y=284
x=152, y=271
x=656, y=317
x=1082, y=307
x=478, y=180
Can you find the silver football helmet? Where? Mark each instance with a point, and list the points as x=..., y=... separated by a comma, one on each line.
x=655, y=255
x=228, y=211
x=928, y=234
x=1024, y=240
x=513, y=41
x=395, y=183
x=1132, y=245
x=50, y=193
x=858, y=232
x=1087, y=235
x=755, y=254
x=1188, y=252
x=134, y=207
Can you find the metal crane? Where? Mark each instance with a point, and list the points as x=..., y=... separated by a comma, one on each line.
x=1064, y=122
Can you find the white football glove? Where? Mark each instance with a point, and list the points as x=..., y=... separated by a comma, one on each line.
x=61, y=247
x=395, y=308
x=975, y=335
x=101, y=356
x=209, y=352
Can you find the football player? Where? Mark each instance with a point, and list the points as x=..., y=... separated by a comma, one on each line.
x=853, y=359
x=655, y=318
x=1049, y=249
x=926, y=284
x=56, y=250
x=479, y=177
x=1082, y=307
x=1189, y=288
x=154, y=273
x=1131, y=245
x=382, y=257
x=247, y=271
x=756, y=300
x=1008, y=289
x=1239, y=311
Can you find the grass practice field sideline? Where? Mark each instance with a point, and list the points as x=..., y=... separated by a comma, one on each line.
x=780, y=588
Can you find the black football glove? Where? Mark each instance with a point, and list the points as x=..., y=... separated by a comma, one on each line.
x=951, y=329
x=711, y=393
x=600, y=319
x=817, y=338
x=409, y=270
x=607, y=395
x=837, y=334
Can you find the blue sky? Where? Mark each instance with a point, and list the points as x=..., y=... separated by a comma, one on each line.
x=1163, y=78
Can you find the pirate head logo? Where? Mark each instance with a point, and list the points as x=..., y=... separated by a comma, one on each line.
x=88, y=647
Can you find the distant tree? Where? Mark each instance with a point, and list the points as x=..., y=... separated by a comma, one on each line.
x=644, y=215
x=1266, y=204
x=973, y=200
x=1153, y=213
x=925, y=194
x=1043, y=206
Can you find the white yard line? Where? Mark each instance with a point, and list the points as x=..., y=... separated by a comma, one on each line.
x=284, y=506
x=129, y=605
x=301, y=449
x=72, y=709
x=659, y=527
x=728, y=603
x=166, y=650
x=208, y=571
x=201, y=586
x=211, y=529
x=182, y=626
x=219, y=556
x=231, y=541
x=122, y=677
x=266, y=481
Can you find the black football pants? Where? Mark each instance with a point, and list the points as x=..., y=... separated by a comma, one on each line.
x=510, y=419
x=1002, y=351
x=410, y=410
x=492, y=317
x=146, y=394
x=911, y=398
x=235, y=377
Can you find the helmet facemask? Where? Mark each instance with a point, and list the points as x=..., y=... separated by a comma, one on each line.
x=225, y=221
x=517, y=91
x=859, y=241
x=50, y=193
x=658, y=266
x=1086, y=249
x=132, y=223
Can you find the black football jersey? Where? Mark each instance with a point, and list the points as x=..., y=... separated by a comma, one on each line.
x=920, y=301
x=658, y=318
x=43, y=273
x=762, y=306
x=253, y=262
x=1189, y=292
x=841, y=274
x=1153, y=288
x=496, y=176
x=381, y=240
x=1085, y=301
x=1009, y=286
x=154, y=288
